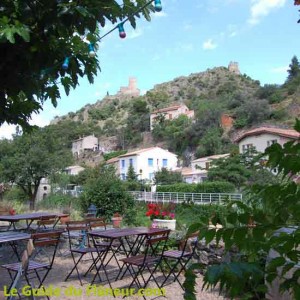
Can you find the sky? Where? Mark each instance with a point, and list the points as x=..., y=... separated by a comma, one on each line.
x=189, y=37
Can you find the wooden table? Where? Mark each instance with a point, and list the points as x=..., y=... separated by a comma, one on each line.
x=122, y=235
x=12, y=237
x=29, y=218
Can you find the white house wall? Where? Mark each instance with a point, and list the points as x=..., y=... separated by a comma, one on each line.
x=140, y=163
x=260, y=142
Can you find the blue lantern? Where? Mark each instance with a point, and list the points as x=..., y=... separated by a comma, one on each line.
x=65, y=65
x=157, y=5
x=92, y=210
x=122, y=32
x=92, y=52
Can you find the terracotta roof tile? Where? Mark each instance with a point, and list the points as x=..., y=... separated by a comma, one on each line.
x=175, y=107
x=141, y=151
x=289, y=133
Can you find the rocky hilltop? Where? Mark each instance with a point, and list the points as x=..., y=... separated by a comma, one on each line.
x=122, y=121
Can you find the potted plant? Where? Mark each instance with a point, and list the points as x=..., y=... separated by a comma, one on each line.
x=162, y=216
x=116, y=220
x=63, y=219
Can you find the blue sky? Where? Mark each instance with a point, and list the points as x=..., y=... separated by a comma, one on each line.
x=189, y=37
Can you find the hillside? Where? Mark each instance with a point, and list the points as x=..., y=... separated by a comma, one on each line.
x=123, y=122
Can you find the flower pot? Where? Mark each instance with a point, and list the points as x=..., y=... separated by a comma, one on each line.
x=116, y=221
x=161, y=223
x=64, y=220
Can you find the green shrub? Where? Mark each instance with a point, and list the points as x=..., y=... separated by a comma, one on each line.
x=108, y=193
x=205, y=187
x=58, y=201
x=113, y=154
x=15, y=194
x=187, y=214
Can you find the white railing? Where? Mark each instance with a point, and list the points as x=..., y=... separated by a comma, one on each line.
x=197, y=198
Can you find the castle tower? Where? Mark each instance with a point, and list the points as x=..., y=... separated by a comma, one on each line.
x=132, y=84
x=233, y=67
x=130, y=90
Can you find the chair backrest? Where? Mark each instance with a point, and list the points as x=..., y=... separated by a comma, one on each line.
x=45, y=223
x=155, y=240
x=77, y=230
x=22, y=268
x=49, y=238
x=186, y=243
x=96, y=222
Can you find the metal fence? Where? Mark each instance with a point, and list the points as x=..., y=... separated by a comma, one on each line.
x=197, y=198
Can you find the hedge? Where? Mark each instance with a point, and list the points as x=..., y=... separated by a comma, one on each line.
x=205, y=187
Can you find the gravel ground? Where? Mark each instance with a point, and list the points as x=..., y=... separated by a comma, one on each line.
x=72, y=289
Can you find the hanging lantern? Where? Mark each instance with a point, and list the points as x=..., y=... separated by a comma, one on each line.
x=157, y=5
x=65, y=65
x=92, y=52
x=122, y=32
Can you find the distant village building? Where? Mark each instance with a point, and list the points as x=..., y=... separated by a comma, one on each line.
x=88, y=143
x=198, y=171
x=234, y=67
x=145, y=162
x=130, y=90
x=73, y=170
x=171, y=113
x=263, y=137
x=115, y=163
x=44, y=189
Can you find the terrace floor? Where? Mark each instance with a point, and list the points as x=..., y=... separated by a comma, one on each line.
x=73, y=290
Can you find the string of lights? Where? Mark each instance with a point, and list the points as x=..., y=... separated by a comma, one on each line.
x=119, y=26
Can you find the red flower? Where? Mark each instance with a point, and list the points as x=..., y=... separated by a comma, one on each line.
x=12, y=212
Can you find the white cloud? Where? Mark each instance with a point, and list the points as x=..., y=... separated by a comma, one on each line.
x=279, y=70
x=209, y=45
x=261, y=8
x=6, y=131
x=187, y=47
x=160, y=14
x=134, y=33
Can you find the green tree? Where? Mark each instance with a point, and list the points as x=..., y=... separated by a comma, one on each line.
x=268, y=221
x=165, y=176
x=131, y=175
x=28, y=158
x=38, y=37
x=231, y=169
x=294, y=69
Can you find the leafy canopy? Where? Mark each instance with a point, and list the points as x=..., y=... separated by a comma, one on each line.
x=35, y=39
x=266, y=222
x=28, y=158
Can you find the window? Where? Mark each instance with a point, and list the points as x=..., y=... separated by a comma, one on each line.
x=151, y=176
x=150, y=162
x=165, y=162
x=247, y=148
x=123, y=163
x=130, y=161
x=271, y=142
x=123, y=177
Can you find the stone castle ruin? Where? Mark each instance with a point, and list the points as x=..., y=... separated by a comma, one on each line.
x=234, y=67
x=130, y=90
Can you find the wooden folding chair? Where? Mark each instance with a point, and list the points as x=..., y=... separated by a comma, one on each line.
x=36, y=268
x=46, y=224
x=77, y=230
x=149, y=261
x=23, y=266
x=182, y=256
